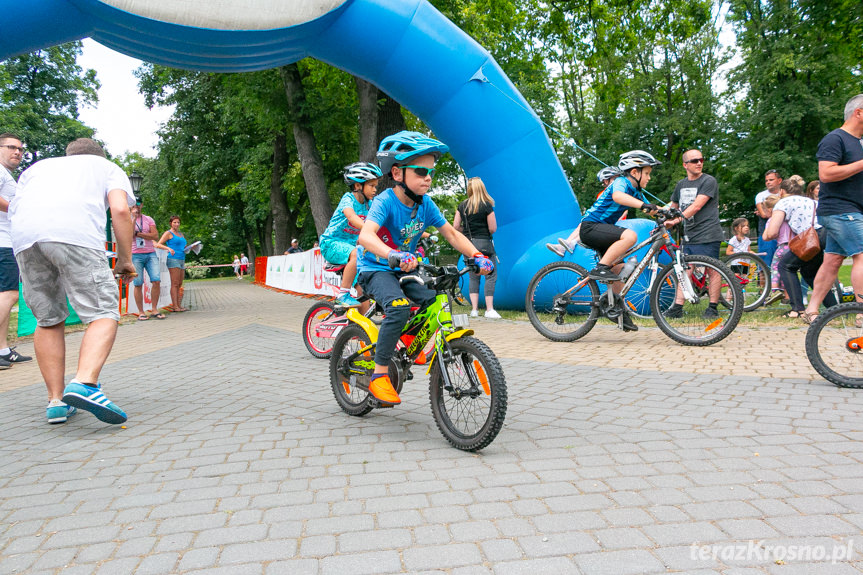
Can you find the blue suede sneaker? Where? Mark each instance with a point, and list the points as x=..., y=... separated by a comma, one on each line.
x=58, y=412
x=93, y=400
x=346, y=300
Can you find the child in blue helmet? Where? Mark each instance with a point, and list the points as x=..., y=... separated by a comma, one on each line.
x=393, y=226
x=339, y=241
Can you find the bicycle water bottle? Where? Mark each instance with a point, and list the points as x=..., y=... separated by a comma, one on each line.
x=628, y=266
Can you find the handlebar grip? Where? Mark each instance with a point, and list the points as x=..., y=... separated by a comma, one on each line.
x=394, y=260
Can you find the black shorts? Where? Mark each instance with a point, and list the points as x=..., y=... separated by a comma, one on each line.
x=710, y=249
x=8, y=270
x=599, y=236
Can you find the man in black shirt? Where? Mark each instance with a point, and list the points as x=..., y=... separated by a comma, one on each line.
x=840, y=203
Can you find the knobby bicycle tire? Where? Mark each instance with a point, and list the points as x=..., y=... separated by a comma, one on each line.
x=833, y=345
x=557, y=317
x=352, y=399
x=692, y=328
x=470, y=414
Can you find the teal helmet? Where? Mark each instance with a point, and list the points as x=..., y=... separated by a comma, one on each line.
x=400, y=148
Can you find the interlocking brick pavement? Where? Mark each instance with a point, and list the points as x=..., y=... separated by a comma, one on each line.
x=236, y=458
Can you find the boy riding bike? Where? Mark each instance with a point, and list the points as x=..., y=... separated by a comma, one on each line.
x=393, y=227
x=597, y=228
x=339, y=241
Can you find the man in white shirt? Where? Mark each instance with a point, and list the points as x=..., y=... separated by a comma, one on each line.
x=58, y=225
x=772, y=181
x=11, y=152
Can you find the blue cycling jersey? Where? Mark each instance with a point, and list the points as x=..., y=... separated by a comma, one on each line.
x=605, y=210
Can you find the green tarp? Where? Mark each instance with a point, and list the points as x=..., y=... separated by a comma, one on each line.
x=26, y=321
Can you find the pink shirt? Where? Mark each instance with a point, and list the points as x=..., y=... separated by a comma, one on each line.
x=146, y=225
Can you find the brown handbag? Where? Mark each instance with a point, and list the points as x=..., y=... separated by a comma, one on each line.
x=806, y=245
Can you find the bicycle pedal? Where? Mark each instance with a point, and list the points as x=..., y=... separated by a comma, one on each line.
x=409, y=376
x=378, y=404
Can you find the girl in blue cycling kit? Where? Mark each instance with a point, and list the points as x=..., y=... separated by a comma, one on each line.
x=394, y=224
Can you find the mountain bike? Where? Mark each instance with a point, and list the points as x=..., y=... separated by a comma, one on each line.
x=467, y=388
x=325, y=320
x=428, y=251
x=563, y=303
x=753, y=275
x=834, y=345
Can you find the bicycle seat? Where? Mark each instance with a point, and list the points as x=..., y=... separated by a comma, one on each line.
x=334, y=268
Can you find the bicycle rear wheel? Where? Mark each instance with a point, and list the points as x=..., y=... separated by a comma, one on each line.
x=834, y=342
x=351, y=397
x=555, y=308
x=753, y=275
x=695, y=325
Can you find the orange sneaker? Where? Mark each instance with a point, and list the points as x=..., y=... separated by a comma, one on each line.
x=383, y=390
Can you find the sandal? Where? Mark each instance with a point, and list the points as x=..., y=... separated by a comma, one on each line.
x=143, y=317
x=808, y=318
x=796, y=314
x=158, y=315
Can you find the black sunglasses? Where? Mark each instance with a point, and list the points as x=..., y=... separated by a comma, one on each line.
x=694, y=161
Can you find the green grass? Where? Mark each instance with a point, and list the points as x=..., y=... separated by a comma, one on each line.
x=845, y=275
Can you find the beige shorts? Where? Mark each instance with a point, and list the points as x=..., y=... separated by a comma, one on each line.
x=52, y=272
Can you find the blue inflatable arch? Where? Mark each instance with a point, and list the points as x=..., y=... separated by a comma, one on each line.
x=456, y=87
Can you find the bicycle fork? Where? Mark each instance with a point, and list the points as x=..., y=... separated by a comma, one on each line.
x=684, y=280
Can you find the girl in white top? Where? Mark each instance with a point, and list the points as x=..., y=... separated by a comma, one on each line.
x=740, y=241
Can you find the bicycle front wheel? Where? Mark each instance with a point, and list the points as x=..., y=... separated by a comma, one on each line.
x=696, y=323
x=561, y=301
x=469, y=412
x=834, y=345
x=318, y=345
x=753, y=275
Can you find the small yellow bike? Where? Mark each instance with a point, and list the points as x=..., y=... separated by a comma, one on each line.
x=467, y=388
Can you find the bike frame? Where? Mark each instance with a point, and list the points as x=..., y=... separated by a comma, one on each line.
x=433, y=321
x=659, y=241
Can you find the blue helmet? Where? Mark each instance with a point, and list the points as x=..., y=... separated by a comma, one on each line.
x=401, y=147
x=361, y=172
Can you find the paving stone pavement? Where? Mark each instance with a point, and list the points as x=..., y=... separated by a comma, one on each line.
x=236, y=459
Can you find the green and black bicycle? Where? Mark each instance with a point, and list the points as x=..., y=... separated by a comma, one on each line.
x=467, y=388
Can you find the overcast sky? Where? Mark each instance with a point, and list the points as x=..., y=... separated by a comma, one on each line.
x=121, y=119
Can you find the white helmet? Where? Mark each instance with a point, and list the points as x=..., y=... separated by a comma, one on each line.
x=360, y=172
x=636, y=159
x=607, y=172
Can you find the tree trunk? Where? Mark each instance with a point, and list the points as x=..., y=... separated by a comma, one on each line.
x=390, y=119
x=367, y=95
x=278, y=201
x=307, y=149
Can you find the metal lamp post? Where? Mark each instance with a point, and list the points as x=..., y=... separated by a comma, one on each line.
x=135, y=179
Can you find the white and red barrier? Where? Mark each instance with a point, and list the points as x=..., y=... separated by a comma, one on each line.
x=301, y=273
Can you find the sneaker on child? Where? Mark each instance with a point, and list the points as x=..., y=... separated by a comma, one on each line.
x=347, y=300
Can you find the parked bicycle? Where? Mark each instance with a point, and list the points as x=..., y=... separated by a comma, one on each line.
x=753, y=275
x=834, y=345
x=467, y=388
x=563, y=304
